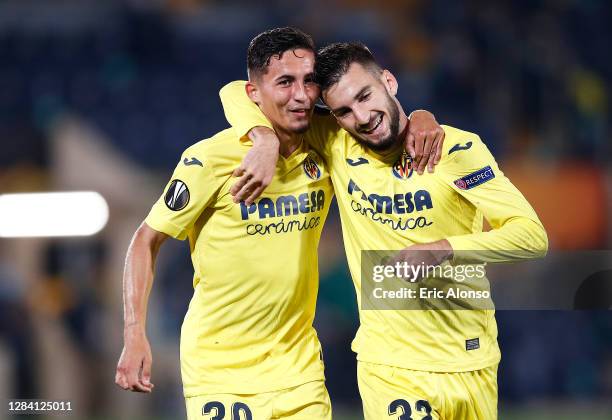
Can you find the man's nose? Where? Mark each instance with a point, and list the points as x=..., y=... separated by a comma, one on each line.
x=299, y=92
x=362, y=116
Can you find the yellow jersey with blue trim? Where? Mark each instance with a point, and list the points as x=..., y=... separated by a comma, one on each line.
x=385, y=205
x=248, y=328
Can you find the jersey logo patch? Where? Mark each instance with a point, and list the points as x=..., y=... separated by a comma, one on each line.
x=475, y=178
x=458, y=147
x=402, y=168
x=357, y=162
x=193, y=161
x=311, y=169
x=177, y=196
x=472, y=344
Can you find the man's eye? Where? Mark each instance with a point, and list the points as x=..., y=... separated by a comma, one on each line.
x=284, y=82
x=364, y=97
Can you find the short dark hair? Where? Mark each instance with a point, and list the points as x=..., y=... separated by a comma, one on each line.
x=273, y=43
x=334, y=60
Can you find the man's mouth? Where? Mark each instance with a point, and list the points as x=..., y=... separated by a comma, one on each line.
x=300, y=112
x=377, y=122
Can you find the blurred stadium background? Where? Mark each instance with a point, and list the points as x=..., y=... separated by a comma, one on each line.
x=105, y=95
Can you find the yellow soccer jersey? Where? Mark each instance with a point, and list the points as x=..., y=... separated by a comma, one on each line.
x=248, y=328
x=385, y=205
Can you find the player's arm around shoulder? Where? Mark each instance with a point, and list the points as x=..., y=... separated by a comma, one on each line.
x=250, y=124
x=244, y=116
x=240, y=111
x=258, y=167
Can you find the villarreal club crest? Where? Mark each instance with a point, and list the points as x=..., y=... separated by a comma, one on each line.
x=311, y=168
x=402, y=169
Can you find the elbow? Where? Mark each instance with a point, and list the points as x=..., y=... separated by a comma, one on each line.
x=149, y=238
x=143, y=234
x=542, y=249
x=538, y=240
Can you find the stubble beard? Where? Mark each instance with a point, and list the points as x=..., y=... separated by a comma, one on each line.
x=392, y=139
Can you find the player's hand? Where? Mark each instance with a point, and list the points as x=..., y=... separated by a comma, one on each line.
x=258, y=166
x=424, y=255
x=134, y=367
x=424, y=140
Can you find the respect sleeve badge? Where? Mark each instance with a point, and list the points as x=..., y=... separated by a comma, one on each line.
x=475, y=178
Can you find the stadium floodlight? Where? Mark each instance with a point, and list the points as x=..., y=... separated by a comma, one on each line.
x=78, y=213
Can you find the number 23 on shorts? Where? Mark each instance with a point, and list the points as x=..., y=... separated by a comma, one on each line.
x=401, y=409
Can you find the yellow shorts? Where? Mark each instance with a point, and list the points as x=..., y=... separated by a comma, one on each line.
x=309, y=401
x=394, y=393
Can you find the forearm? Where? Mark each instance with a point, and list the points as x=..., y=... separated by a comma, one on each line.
x=518, y=239
x=138, y=279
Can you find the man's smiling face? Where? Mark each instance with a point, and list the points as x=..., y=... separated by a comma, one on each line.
x=287, y=92
x=364, y=104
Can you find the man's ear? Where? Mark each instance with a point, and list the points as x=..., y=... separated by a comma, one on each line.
x=390, y=82
x=252, y=91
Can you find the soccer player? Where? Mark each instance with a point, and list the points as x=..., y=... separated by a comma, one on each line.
x=425, y=364
x=248, y=348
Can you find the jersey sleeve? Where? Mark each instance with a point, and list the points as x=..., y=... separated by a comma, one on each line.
x=517, y=232
x=191, y=189
x=243, y=115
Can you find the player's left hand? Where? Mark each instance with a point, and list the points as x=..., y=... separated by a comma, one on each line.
x=425, y=255
x=258, y=166
x=424, y=140
x=134, y=366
